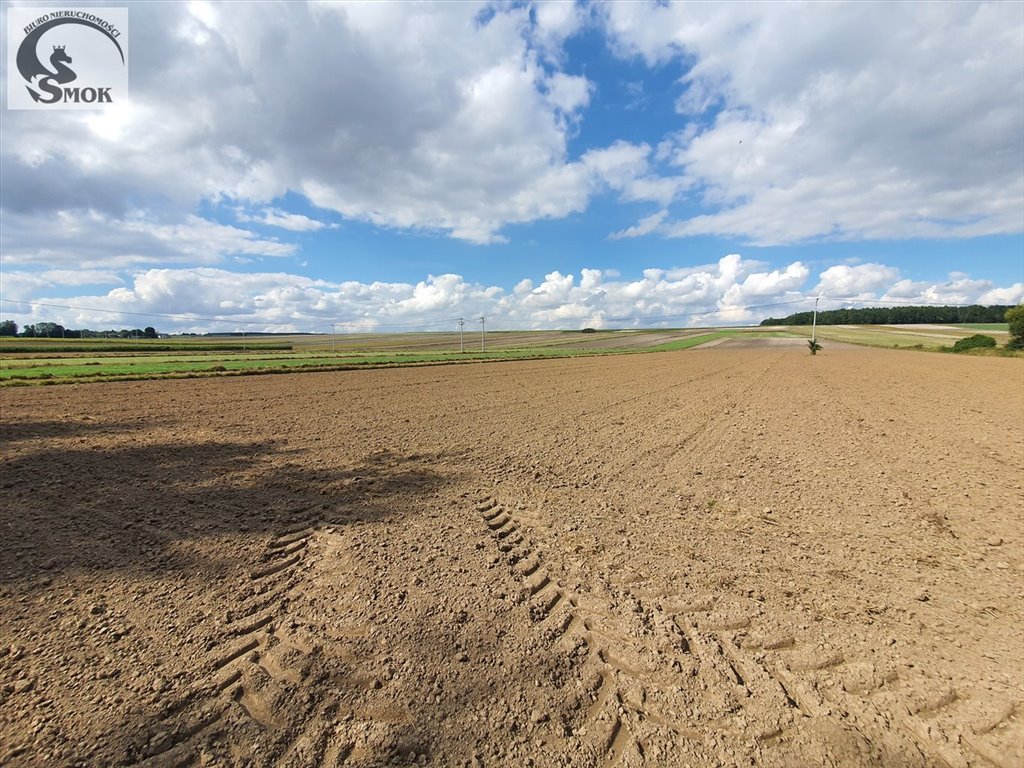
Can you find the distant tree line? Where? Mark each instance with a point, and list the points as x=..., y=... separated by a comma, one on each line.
x=57, y=331
x=995, y=313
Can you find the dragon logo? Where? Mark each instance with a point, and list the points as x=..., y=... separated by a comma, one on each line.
x=58, y=60
x=48, y=85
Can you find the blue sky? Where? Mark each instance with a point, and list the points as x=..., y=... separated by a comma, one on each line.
x=551, y=165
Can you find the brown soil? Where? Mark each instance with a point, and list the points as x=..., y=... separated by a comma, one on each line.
x=718, y=557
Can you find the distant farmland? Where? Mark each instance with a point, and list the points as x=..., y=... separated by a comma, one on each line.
x=54, y=361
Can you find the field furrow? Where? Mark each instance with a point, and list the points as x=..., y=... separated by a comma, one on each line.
x=740, y=555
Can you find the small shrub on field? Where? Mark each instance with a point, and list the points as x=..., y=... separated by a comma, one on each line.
x=814, y=346
x=218, y=368
x=1015, y=317
x=977, y=341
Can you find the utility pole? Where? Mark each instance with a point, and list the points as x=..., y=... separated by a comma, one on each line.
x=814, y=322
x=462, y=324
x=482, y=323
x=334, y=340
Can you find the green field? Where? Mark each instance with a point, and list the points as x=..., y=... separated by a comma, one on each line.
x=60, y=361
x=996, y=327
x=145, y=368
x=928, y=337
x=12, y=344
x=53, y=361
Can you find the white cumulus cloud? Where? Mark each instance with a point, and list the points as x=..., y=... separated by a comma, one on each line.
x=275, y=217
x=435, y=117
x=860, y=281
x=731, y=291
x=96, y=240
x=960, y=288
x=835, y=121
x=643, y=227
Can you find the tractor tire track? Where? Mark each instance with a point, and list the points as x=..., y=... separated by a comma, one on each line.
x=236, y=678
x=944, y=724
x=718, y=664
x=803, y=682
x=617, y=723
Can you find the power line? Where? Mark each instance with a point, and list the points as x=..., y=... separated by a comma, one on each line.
x=902, y=301
x=706, y=311
x=430, y=324
x=805, y=299
x=200, y=319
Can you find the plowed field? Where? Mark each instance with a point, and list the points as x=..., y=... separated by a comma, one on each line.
x=730, y=556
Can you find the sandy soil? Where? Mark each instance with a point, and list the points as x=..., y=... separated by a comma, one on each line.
x=717, y=557
x=753, y=342
x=943, y=336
